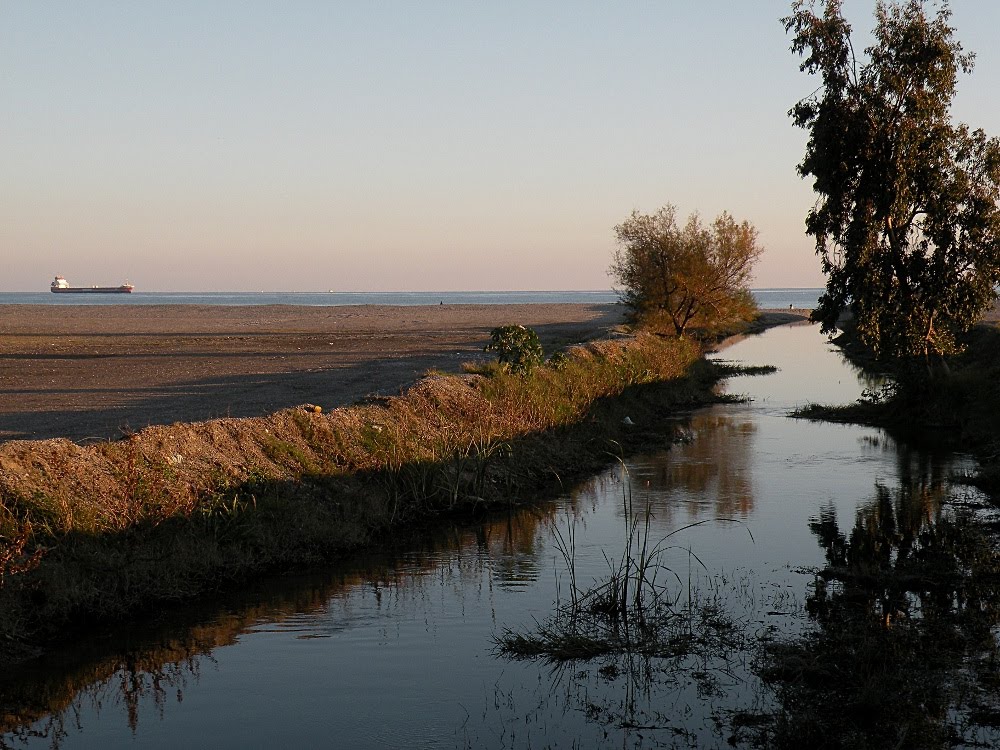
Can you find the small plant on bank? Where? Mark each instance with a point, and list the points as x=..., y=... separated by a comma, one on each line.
x=558, y=361
x=517, y=348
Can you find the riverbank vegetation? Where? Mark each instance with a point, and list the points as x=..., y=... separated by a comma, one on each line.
x=906, y=221
x=160, y=657
x=172, y=512
x=640, y=608
x=959, y=409
x=907, y=227
x=677, y=278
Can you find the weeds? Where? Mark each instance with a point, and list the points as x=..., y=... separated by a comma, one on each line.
x=14, y=555
x=452, y=477
x=284, y=452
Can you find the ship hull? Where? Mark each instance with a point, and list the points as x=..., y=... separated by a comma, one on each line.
x=91, y=290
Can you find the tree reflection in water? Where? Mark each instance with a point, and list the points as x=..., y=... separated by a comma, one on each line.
x=904, y=652
x=708, y=476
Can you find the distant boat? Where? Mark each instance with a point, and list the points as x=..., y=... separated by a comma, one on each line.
x=61, y=286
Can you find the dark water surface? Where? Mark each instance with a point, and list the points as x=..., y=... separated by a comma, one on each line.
x=396, y=649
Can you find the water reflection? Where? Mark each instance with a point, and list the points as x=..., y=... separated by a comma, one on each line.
x=710, y=475
x=148, y=666
x=906, y=608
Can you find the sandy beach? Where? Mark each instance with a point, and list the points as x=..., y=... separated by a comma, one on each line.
x=98, y=372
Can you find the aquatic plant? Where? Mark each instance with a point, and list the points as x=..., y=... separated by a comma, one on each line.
x=632, y=610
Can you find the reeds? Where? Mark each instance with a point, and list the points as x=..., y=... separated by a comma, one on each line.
x=641, y=607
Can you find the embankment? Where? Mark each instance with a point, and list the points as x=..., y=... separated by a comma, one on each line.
x=174, y=512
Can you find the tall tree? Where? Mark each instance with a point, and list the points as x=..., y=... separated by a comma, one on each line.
x=694, y=274
x=906, y=220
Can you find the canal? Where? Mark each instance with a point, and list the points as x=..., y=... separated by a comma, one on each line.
x=397, y=648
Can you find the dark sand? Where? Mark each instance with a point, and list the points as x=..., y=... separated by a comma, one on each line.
x=98, y=372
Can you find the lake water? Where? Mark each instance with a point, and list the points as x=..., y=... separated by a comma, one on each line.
x=766, y=298
x=395, y=649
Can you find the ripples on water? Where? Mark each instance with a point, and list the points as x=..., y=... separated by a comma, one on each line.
x=396, y=649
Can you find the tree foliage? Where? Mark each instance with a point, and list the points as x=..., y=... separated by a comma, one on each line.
x=694, y=275
x=517, y=348
x=906, y=221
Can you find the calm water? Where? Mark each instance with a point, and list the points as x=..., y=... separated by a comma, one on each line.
x=396, y=649
x=767, y=298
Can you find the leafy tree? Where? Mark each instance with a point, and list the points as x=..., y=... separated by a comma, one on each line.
x=694, y=274
x=906, y=221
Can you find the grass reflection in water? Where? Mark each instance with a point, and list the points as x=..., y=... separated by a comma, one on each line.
x=139, y=671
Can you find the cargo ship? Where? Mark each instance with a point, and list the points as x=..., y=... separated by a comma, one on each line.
x=60, y=286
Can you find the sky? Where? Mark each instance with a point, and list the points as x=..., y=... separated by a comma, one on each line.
x=241, y=145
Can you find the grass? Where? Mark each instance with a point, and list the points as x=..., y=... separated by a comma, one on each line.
x=111, y=529
x=658, y=629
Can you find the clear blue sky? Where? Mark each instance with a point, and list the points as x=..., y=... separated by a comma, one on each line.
x=306, y=146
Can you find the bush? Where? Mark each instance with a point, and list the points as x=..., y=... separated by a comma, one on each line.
x=679, y=277
x=517, y=348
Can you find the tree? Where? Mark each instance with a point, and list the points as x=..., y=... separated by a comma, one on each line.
x=906, y=221
x=692, y=274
